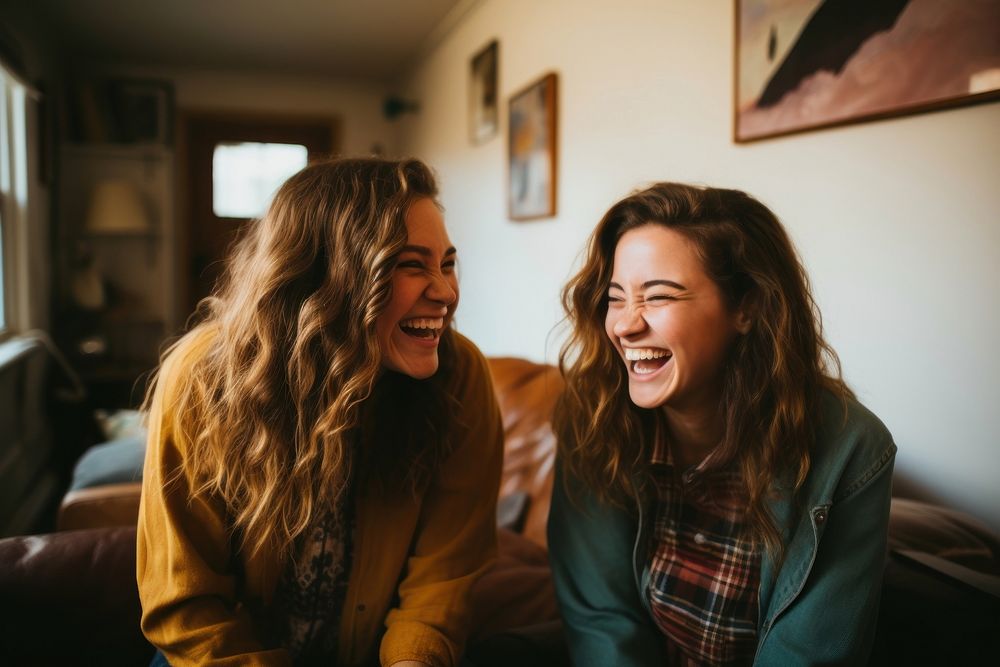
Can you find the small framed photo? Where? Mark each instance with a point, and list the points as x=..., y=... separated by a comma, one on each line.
x=142, y=110
x=484, y=113
x=531, y=172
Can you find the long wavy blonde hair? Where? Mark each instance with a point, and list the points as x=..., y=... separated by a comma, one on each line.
x=773, y=377
x=272, y=411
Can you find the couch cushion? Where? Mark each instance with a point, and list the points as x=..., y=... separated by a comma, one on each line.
x=112, y=462
x=100, y=506
x=516, y=592
x=527, y=393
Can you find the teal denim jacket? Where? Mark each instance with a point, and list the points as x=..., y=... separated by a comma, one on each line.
x=818, y=607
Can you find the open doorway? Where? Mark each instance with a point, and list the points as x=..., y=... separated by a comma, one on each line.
x=230, y=165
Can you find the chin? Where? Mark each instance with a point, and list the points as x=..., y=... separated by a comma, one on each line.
x=642, y=397
x=416, y=369
x=645, y=402
x=423, y=373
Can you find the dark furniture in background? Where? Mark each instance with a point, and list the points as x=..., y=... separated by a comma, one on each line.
x=28, y=482
x=45, y=425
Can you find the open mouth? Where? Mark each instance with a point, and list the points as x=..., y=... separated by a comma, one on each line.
x=647, y=360
x=424, y=328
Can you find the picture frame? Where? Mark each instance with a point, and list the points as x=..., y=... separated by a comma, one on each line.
x=803, y=65
x=142, y=111
x=532, y=150
x=484, y=99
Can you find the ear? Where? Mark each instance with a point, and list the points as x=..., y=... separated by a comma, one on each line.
x=743, y=321
x=744, y=316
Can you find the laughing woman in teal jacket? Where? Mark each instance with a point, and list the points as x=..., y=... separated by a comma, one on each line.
x=721, y=496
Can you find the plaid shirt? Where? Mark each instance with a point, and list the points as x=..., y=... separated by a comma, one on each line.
x=705, y=573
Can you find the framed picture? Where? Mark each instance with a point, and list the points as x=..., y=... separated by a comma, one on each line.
x=806, y=64
x=142, y=110
x=531, y=173
x=484, y=113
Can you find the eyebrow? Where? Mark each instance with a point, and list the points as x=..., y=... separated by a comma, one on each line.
x=651, y=283
x=425, y=251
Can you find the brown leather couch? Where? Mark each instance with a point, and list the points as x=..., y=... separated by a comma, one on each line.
x=70, y=597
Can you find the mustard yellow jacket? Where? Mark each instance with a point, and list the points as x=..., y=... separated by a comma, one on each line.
x=415, y=558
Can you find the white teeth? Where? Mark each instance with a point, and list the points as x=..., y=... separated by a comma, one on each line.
x=423, y=323
x=635, y=354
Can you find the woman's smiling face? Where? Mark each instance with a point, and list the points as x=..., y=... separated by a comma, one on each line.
x=669, y=321
x=424, y=295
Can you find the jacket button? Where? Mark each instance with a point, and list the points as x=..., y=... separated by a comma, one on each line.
x=700, y=539
x=820, y=516
x=361, y=607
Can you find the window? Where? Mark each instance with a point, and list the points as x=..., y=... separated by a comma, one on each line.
x=13, y=191
x=246, y=175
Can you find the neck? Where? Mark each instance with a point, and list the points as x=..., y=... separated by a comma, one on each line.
x=694, y=434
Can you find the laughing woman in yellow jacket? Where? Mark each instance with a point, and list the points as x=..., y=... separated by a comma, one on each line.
x=324, y=451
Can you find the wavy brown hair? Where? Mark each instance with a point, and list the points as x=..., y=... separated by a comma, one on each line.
x=773, y=378
x=273, y=409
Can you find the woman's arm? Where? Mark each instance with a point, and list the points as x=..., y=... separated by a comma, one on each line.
x=590, y=549
x=188, y=590
x=456, y=532
x=832, y=620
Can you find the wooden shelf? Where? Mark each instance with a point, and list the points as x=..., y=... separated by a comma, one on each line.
x=118, y=151
x=118, y=236
x=139, y=264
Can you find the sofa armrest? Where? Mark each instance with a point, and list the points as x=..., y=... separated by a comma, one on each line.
x=71, y=599
x=943, y=532
x=100, y=506
x=977, y=582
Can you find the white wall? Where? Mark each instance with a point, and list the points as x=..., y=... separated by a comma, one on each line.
x=898, y=221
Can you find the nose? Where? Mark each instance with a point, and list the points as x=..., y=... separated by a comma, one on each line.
x=630, y=322
x=441, y=290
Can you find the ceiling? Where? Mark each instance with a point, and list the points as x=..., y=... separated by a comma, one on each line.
x=362, y=39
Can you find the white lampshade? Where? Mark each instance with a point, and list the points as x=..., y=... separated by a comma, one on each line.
x=117, y=207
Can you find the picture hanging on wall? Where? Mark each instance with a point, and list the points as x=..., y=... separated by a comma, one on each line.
x=531, y=173
x=806, y=64
x=484, y=112
x=143, y=110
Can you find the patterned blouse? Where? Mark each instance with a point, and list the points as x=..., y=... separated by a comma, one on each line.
x=310, y=596
x=705, y=570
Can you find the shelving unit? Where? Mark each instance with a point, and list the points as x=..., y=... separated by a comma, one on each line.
x=114, y=344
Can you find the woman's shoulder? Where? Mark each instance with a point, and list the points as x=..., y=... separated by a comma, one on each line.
x=179, y=362
x=844, y=417
x=852, y=443
x=187, y=351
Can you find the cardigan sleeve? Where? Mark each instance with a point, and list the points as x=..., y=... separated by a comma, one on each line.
x=456, y=530
x=184, y=569
x=591, y=552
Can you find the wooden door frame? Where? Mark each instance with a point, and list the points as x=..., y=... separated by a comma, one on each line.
x=184, y=178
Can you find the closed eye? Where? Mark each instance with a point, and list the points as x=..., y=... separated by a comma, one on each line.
x=661, y=298
x=410, y=264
